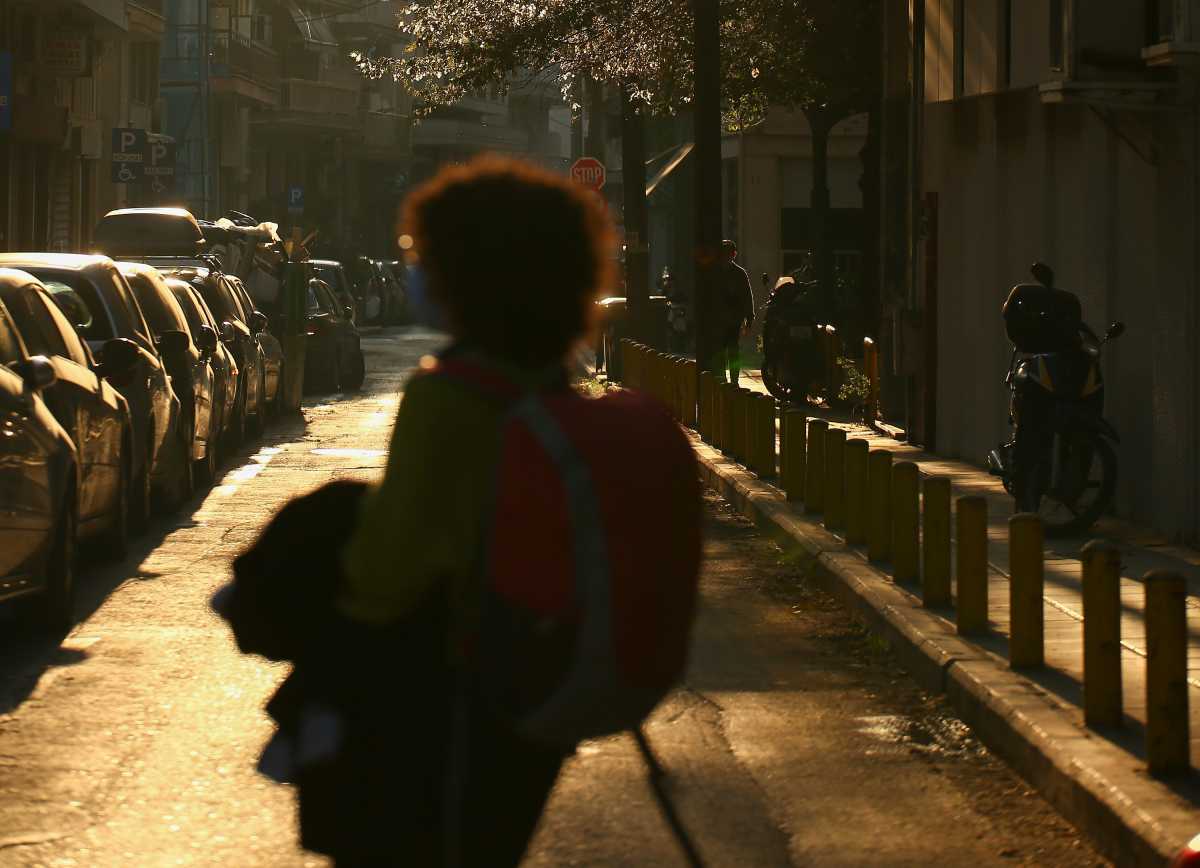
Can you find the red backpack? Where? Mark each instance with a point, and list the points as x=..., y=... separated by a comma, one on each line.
x=591, y=557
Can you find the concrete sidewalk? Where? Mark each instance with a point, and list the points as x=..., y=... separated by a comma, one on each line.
x=1175, y=811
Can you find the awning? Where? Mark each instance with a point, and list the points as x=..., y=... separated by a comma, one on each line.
x=314, y=28
x=674, y=160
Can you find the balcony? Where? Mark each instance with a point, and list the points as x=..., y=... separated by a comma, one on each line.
x=241, y=66
x=315, y=105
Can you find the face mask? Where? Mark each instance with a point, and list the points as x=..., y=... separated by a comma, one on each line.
x=424, y=310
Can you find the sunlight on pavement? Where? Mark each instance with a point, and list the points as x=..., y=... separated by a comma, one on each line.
x=350, y=453
x=257, y=463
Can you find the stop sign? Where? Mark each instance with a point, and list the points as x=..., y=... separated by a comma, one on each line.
x=589, y=172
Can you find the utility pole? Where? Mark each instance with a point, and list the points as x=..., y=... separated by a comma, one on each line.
x=633, y=176
x=707, y=134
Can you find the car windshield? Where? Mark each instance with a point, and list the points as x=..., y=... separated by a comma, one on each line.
x=332, y=275
x=82, y=305
x=218, y=299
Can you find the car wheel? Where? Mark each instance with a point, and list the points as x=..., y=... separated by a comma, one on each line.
x=57, y=605
x=115, y=543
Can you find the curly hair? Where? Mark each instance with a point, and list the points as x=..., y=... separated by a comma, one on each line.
x=516, y=255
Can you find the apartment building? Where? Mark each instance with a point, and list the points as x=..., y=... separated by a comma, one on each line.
x=270, y=115
x=70, y=73
x=1062, y=131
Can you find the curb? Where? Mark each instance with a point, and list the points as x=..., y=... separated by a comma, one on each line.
x=1099, y=786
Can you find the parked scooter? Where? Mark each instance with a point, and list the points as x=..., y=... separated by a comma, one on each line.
x=679, y=314
x=792, y=364
x=1061, y=461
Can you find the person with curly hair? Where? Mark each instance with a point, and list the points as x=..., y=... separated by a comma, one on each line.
x=513, y=258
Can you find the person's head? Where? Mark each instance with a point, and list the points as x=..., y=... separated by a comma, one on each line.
x=515, y=255
x=729, y=250
x=1042, y=273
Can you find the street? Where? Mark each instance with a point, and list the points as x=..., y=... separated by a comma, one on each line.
x=796, y=740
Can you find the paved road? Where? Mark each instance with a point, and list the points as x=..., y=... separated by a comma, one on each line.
x=797, y=740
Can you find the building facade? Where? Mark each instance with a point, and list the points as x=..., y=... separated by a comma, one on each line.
x=1067, y=132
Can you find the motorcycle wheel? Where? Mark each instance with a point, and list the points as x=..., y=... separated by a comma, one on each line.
x=1067, y=513
x=777, y=389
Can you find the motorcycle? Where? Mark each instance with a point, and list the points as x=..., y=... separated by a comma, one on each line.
x=792, y=364
x=1074, y=476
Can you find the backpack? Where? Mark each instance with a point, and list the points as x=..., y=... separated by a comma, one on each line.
x=590, y=560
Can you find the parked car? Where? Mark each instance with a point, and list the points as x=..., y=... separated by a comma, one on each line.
x=92, y=412
x=99, y=303
x=334, y=275
x=272, y=349
x=236, y=333
x=333, y=357
x=204, y=329
x=39, y=481
x=187, y=361
x=396, y=283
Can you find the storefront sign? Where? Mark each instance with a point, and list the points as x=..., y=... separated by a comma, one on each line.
x=65, y=54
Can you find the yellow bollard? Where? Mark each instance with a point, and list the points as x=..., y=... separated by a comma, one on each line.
x=1102, y=701
x=835, y=478
x=677, y=391
x=792, y=450
x=724, y=416
x=1167, y=731
x=906, y=507
x=704, y=408
x=814, y=474
x=737, y=437
x=749, y=427
x=879, y=506
x=691, y=395
x=935, y=541
x=972, y=573
x=871, y=371
x=766, y=437
x=1026, y=590
x=857, y=493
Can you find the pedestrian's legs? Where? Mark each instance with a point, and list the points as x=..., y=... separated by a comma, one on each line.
x=733, y=354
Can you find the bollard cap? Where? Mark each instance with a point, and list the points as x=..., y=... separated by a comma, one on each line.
x=837, y=433
x=1165, y=580
x=1098, y=547
x=937, y=483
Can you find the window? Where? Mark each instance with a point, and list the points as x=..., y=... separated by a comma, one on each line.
x=81, y=305
x=160, y=312
x=125, y=311
x=1057, y=33
x=70, y=341
x=34, y=323
x=143, y=72
x=960, y=49
x=10, y=344
x=191, y=312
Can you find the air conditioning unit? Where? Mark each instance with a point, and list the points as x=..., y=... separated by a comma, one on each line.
x=91, y=140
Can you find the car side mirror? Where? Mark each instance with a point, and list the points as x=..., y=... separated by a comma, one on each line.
x=173, y=343
x=37, y=372
x=258, y=321
x=766, y=280
x=1114, y=331
x=348, y=312
x=228, y=335
x=119, y=356
x=206, y=339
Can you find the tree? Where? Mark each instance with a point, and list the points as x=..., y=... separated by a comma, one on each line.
x=818, y=56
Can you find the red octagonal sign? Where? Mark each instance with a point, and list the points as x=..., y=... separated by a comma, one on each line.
x=589, y=172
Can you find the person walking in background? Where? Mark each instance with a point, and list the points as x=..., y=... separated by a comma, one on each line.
x=733, y=310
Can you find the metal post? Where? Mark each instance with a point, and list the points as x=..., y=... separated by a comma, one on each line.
x=1102, y=693
x=835, y=478
x=814, y=475
x=1167, y=727
x=879, y=508
x=906, y=506
x=857, y=491
x=935, y=513
x=794, y=432
x=1026, y=589
x=972, y=573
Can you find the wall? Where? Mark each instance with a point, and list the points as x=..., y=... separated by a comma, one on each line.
x=1018, y=181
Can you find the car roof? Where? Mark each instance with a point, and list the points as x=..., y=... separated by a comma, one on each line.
x=15, y=278
x=66, y=261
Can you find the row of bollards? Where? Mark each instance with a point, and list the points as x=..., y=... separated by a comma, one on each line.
x=909, y=522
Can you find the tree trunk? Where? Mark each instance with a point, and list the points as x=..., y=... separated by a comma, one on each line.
x=637, y=250
x=597, y=117
x=870, y=287
x=577, y=121
x=707, y=157
x=818, y=233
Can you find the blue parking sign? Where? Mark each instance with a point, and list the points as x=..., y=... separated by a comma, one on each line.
x=295, y=200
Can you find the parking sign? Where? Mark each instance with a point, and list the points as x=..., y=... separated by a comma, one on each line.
x=295, y=200
x=128, y=155
x=159, y=168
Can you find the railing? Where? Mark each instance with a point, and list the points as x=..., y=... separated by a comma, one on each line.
x=233, y=55
x=906, y=524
